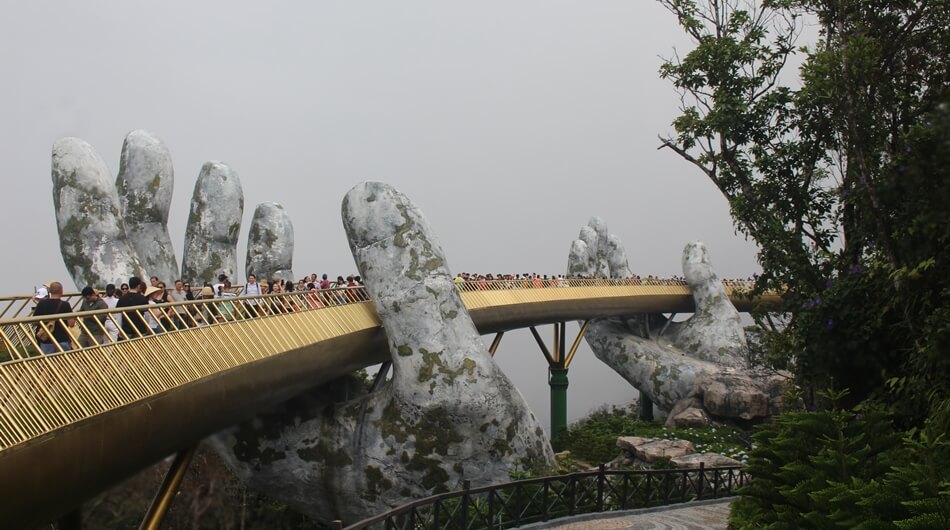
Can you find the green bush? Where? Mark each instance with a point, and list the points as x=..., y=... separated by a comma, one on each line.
x=846, y=469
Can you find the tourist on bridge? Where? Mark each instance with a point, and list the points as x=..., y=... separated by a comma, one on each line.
x=179, y=313
x=54, y=305
x=112, y=327
x=252, y=288
x=133, y=321
x=94, y=333
x=154, y=316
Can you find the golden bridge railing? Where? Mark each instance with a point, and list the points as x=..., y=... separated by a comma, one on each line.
x=91, y=373
x=41, y=393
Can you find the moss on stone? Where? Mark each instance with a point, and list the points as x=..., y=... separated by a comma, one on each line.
x=322, y=453
x=376, y=483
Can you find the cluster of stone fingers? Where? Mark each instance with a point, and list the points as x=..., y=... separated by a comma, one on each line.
x=110, y=231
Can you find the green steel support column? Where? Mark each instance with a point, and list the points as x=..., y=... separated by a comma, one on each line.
x=646, y=407
x=557, y=379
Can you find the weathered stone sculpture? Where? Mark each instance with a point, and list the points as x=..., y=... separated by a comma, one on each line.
x=92, y=235
x=696, y=367
x=109, y=232
x=145, y=184
x=270, y=243
x=448, y=414
x=214, y=223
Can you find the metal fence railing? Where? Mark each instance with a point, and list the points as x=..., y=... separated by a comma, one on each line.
x=544, y=499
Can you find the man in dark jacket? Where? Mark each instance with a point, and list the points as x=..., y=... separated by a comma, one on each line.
x=54, y=305
x=133, y=322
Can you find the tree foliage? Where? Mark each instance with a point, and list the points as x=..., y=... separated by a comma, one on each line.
x=847, y=469
x=841, y=179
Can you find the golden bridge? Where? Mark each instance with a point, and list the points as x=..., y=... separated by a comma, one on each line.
x=75, y=422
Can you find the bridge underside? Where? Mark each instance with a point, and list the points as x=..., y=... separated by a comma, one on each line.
x=49, y=475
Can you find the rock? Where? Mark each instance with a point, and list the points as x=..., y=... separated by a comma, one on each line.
x=734, y=396
x=214, y=223
x=270, y=243
x=448, y=414
x=692, y=461
x=651, y=449
x=691, y=417
x=144, y=186
x=92, y=236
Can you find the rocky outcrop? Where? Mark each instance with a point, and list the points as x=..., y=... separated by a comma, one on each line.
x=144, y=185
x=270, y=243
x=214, y=223
x=92, y=234
x=693, y=461
x=681, y=453
x=652, y=449
x=696, y=363
x=448, y=414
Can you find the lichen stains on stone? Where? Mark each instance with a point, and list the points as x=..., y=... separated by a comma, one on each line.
x=322, y=453
x=376, y=483
x=404, y=351
x=433, y=365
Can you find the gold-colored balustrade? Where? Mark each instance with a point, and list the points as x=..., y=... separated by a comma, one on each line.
x=100, y=366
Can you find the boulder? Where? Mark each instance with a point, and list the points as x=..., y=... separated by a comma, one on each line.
x=651, y=449
x=734, y=396
x=691, y=417
x=692, y=461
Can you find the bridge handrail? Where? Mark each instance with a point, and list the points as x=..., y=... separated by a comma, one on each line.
x=21, y=306
x=42, y=393
x=543, y=499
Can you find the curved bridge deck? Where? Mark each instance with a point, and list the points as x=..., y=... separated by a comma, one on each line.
x=75, y=422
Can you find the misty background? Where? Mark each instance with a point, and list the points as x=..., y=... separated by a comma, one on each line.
x=509, y=124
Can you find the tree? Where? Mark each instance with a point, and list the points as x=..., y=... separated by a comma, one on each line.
x=840, y=180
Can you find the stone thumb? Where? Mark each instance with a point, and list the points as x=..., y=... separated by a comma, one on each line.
x=431, y=336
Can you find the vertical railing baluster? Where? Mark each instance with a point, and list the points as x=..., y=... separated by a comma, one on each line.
x=600, y=488
x=491, y=509
x=699, y=487
x=544, y=499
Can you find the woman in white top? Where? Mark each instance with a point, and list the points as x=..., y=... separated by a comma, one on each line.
x=152, y=315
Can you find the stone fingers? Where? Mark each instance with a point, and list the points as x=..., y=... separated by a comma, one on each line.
x=92, y=234
x=214, y=223
x=714, y=332
x=144, y=186
x=432, y=338
x=270, y=243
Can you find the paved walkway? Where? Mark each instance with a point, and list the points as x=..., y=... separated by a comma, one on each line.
x=707, y=515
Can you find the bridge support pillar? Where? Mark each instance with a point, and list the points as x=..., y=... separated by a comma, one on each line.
x=646, y=407
x=559, y=360
x=557, y=380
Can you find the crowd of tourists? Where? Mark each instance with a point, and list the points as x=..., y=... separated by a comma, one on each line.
x=138, y=319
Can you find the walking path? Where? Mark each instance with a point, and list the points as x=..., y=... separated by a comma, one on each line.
x=704, y=515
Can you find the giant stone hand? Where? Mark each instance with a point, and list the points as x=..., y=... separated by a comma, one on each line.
x=698, y=364
x=447, y=416
x=109, y=232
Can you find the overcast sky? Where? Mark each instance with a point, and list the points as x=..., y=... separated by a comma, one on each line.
x=509, y=123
